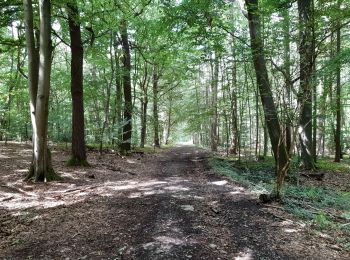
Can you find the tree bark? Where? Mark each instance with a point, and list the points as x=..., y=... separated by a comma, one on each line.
x=288, y=81
x=168, y=122
x=155, y=107
x=118, y=91
x=234, y=108
x=77, y=56
x=33, y=68
x=127, y=128
x=214, y=101
x=305, y=98
x=270, y=112
x=144, y=105
x=337, y=137
x=39, y=89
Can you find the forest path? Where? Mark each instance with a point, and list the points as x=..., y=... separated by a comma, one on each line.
x=166, y=206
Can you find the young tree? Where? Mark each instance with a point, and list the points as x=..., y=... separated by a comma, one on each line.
x=214, y=103
x=270, y=112
x=144, y=105
x=155, y=106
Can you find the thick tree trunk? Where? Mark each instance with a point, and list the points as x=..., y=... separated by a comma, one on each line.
x=270, y=112
x=305, y=99
x=78, y=128
x=155, y=107
x=41, y=168
x=127, y=129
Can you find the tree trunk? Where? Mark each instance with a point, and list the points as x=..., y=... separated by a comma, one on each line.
x=214, y=105
x=169, y=122
x=337, y=137
x=305, y=98
x=39, y=84
x=270, y=112
x=33, y=69
x=127, y=128
x=78, y=128
x=234, y=108
x=155, y=107
x=288, y=81
x=118, y=92
x=144, y=105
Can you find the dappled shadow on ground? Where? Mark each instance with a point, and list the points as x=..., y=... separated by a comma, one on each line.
x=164, y=206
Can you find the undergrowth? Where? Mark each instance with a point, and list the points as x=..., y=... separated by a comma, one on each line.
x=328, y=164
x=323, y=208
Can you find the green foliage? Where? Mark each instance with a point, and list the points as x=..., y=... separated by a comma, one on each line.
x=322, y=222
x=329, y=165
x=258, y=181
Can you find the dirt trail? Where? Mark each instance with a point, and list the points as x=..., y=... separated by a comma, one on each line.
x=165, y=206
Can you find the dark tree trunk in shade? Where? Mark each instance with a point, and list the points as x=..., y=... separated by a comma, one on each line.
x=337, y=137
x=155, y=107
x=144, y=105
x=305, y=96
x=127, y=129
x=78, y=128
x=270, y=112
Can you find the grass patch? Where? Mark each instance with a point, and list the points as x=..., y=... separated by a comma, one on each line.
x=324, y=208
x=328, y=164
x=260, y=180
x=151, y=149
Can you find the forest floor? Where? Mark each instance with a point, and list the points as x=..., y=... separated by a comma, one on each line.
x=167, y=205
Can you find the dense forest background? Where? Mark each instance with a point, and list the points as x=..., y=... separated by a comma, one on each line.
x=260, y=89
x=160, y=72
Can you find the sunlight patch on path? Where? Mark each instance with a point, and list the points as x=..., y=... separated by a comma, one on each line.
x=187, y=207
x=247, y=254
x=219, y=183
